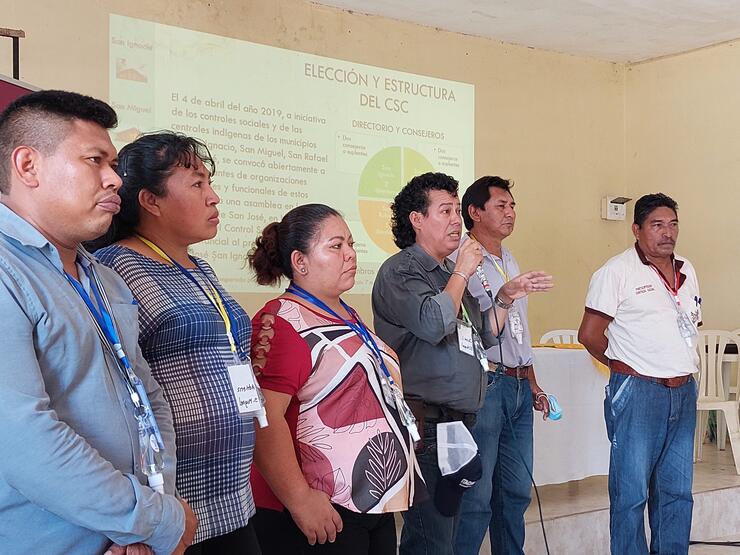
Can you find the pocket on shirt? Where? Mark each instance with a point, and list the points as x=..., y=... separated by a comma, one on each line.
x=126, y=316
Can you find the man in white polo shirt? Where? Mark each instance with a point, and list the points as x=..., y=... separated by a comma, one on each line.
x=642, y=311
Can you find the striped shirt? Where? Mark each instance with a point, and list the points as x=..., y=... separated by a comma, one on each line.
x=183, y=337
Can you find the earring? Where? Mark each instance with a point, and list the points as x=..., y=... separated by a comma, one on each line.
x=303, y=271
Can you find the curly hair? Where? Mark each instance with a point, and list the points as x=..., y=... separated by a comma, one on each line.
x=414, y=197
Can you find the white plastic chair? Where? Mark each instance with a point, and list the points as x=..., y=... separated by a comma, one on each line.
x=560, y=337
x=735, y=359
x=713, y=394
x=729, y=363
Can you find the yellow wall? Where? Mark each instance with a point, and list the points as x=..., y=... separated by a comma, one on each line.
x=682, y=131
x=554, y=123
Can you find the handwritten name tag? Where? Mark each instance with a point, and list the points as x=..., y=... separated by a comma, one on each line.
x=245, y=388
x=465, y=338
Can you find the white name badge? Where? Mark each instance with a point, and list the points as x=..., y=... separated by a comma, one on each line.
x=465, y=338
x=515, y=325
x=687, y=329
x=481, y=352
x=245, y=388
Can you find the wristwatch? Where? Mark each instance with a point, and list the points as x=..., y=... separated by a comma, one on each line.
x=501, y=303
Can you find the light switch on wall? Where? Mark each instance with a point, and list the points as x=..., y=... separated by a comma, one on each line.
x=614, y=208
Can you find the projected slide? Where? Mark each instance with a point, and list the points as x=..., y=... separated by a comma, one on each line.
x=287, y=128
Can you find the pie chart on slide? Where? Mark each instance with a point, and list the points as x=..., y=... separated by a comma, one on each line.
x=383, y=176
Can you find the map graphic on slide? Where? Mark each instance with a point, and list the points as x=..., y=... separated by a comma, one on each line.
x=383, y=177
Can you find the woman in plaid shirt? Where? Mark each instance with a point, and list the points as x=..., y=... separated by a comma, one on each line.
x=185, y=316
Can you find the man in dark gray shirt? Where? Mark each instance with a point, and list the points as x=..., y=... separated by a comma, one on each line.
x=424, y=312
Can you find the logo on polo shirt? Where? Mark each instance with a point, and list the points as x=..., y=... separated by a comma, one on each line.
x=465, y=483
x=644, y=289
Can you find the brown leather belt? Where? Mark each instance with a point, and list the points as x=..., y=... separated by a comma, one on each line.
x=620, y=367
x=519, y=372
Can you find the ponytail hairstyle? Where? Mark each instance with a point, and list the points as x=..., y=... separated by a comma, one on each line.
x=270, y=257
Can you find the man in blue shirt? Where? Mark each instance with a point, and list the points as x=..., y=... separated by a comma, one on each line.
x=70, y=480
x=497, y=502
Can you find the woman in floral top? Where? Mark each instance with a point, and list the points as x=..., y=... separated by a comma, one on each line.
x=337, y=459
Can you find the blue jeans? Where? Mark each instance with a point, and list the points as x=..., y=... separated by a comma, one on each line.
x=497, y=502
x=651, y=429
x=425, y=530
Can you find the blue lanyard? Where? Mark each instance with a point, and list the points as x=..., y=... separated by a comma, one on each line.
x=108, y=333
x=101, y=316
x=359, y=328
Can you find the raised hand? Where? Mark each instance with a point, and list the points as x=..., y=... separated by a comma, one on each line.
x=524, y=284
x=469, y=257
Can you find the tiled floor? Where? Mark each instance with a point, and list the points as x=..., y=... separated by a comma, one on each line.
x=715, y=549
x=715, y=472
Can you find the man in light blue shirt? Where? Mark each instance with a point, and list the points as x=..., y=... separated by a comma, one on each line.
x=497, y=502
x=70, y=480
